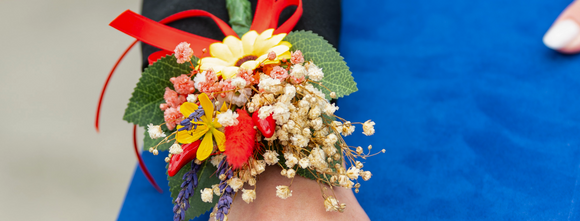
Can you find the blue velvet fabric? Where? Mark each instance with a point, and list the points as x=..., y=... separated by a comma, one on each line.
x=479, y=120
x=142, y=201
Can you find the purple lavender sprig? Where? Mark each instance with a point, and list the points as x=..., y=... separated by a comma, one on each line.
x=187, y=122
x=188, y=186
x=225, y=201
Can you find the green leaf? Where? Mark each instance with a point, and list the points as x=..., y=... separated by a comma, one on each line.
x=240, y=12
x=206, y=178
x=148, y=142
x=143, y=107
x=337, y=76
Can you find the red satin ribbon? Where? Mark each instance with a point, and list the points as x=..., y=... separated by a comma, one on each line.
x=163, y=36
x=268, y=12
x=167, y=38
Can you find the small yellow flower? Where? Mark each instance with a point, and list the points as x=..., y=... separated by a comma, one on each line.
x=207, y=128
x=227, y=57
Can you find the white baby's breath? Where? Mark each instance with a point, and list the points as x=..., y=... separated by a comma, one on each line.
x=268, y=84
x=271, y=157
x=192, y=98
x=352, y=173
x=155, y=131
x=236, y=183
x=359, y=150
x=331, y=204
x=304, y=163
x=265, y=112
x=298, y=71
x=238, y=82
x=228, y=118
x=299, y=140
x=315, y=73
x=317, y=124
x=291, y=160
x=366, y=175
x=330, y=140
x=329, y=109
x=347, y=129
x=215, y=160
x=216, y=189
x=175, y=149
x=206, y=195
x=369, y=128
x=314, y=113
x=248, y=195
x=290, y=90
x=283, y=192
x=198, y=79
x=260, y=166
x=290, y=173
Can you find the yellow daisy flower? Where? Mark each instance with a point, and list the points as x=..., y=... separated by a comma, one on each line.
x=207, y=128
x=227, y=57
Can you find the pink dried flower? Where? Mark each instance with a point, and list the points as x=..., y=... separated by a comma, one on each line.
x=163, y=107
x=210, y=76
x=225, y=85
x=183, y=84
x=172, y=98
x=209, y=84
x=208, y=87
x=271, y=55
x=172, y=117
x=279, y=73
x=183, y=52
x=247, y=75
x=181, y=99
x=298, y=80
x=297, y=57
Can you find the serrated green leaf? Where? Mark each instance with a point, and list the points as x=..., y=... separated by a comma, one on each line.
x=206, y=178
x=337, y=76
x=148, y=142
x=143, y=107
x=240, y=12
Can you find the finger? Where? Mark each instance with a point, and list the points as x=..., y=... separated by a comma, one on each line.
x=564, y=35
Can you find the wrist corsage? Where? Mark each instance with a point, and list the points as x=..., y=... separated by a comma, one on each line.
x=226, y=110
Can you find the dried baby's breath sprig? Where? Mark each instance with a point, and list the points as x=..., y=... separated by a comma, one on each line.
x=248, y=195
x=331, y=204
x=283, y=192
x=155, y=132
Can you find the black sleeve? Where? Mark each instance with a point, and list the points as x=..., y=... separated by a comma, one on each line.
x=320, y=16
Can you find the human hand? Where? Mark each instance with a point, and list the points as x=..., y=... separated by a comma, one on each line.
x=306, y=202
x=564, y=35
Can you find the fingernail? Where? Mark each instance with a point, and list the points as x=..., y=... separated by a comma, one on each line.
x=561, y=34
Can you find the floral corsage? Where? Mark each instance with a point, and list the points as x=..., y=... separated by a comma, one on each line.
x=227, y=111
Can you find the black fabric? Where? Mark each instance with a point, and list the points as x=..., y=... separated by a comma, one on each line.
x=320, y=16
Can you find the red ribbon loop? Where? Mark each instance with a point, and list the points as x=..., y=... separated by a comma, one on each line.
x=167, y=38
x=163, y=36
x=268, y=13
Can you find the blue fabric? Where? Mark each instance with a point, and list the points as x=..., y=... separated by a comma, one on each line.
x=479, y=120
x=142, y=201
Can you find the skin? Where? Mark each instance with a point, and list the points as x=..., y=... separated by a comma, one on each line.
x=571, y=12
x=306, y=202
